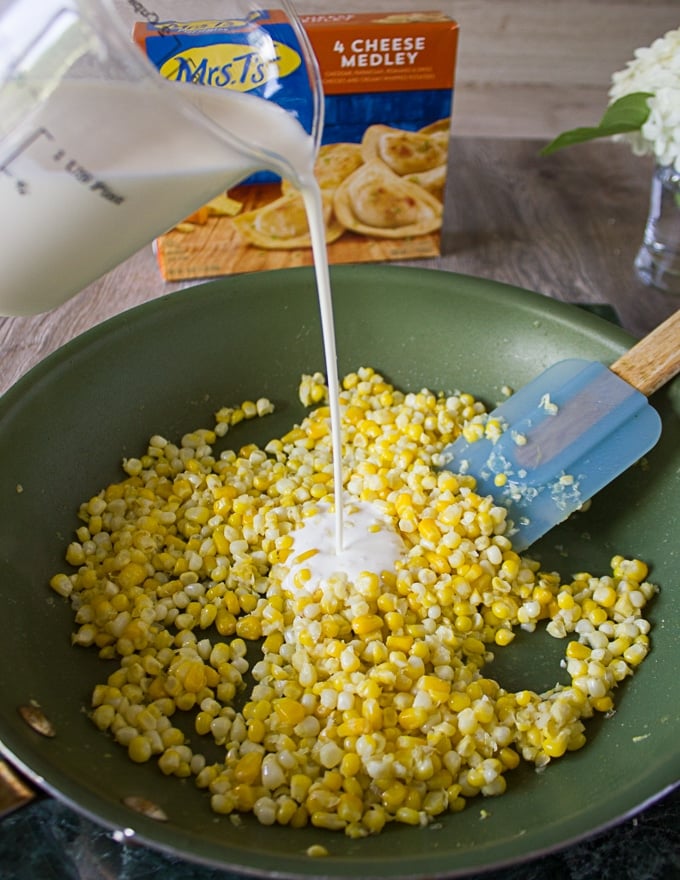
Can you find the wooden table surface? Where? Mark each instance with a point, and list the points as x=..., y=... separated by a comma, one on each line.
x=567, y=226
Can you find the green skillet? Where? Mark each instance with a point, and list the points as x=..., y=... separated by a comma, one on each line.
x=165, y=367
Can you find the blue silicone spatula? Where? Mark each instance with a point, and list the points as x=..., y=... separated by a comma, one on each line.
x=569, y=433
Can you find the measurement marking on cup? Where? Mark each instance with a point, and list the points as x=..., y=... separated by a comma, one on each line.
x=22, y=185
x=71, y=166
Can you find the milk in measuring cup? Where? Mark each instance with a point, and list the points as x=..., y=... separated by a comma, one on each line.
x=71, y=211
x=64, y=222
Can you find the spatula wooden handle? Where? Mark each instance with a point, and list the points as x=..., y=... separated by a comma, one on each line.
x=654, y=360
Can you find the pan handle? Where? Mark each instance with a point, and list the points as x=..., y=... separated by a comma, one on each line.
x=14, y=791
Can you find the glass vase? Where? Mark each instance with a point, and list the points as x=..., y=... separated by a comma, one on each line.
x=658, y=261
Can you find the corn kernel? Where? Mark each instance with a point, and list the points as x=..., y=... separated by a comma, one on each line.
x=247, y=769
x=412, y=718
x=139, y=749
x=291, y=712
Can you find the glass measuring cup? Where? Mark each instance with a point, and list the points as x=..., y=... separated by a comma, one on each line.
x=118, y=118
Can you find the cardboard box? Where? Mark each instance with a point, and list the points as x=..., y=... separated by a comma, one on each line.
x=388, y=81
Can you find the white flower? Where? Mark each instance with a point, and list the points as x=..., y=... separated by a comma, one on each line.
x=655, y=69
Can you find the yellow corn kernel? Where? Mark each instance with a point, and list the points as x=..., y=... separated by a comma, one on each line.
x=286, y=808
x=303, y=557
x=350, y=808
x=374, y=819
x=256, y=730
x=259, y=709
x=602, y=704
x=429, y=530
x=373, y=713
x=472, y=645
x=503, y=637
x=353, y=786
x=242, y=504
x=635, y=654
x=473, y=431
x=202, y=723
x=332, y=779
x=331, y=821
x=223, y=804
x=355, y=726
x=393, y=619
x=438, y=689
x=368, y=584
x=605, y=596
x=577, y=651
x=247, y=769
x=120, y=602
x=301, y=578
x=321, y=799
x=509, y=758
x=503, y=609
x=408, y=816
x=62, y=585
x=350, y=764
x=403, y=503
x=394, y=796
x=420, y=651
x=247, y=602
x=75, y=554
x=231, y=603
x=139, y=749
x=225, y=622
x=555, y=747
x=464, y=623
x=493, y=428
x=402, y=643
x=244, y=795
x=207, y=616
x=131, y=575
x=290, y=712
x=185, y=701
x=524, y=698
x=565, y=601
x=169, y=762
x=458, y=701
x=597, y=616
x=299, y=787
x=249, y=627
x=353, y=415
x=199, y=515
x=103, y=716
x=195, y=677
x=366, y=623
x=412, y=718
x=300, y=818
x=438, y=562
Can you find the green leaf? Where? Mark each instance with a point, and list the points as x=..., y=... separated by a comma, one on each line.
x=627, y=114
